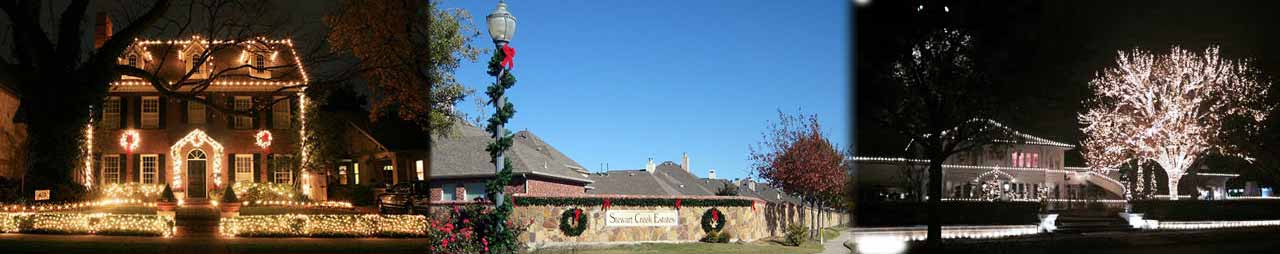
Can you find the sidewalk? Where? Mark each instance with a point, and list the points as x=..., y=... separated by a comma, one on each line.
x=836, y=246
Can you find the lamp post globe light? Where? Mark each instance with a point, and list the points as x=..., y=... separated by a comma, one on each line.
x=502, y=27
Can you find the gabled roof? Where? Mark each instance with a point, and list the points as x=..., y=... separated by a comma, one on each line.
x=227, y=54
x=462, y=154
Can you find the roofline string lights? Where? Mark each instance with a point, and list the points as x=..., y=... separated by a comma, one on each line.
x=196, y=39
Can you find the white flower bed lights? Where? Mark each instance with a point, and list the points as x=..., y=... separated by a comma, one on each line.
x=78, y=223
x=327, y=225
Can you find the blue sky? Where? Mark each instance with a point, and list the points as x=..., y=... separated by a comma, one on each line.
x=619, y=82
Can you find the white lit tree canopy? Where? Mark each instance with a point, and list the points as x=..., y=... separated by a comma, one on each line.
x=1169, y=109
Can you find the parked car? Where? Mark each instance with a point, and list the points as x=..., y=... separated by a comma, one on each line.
x=408, y=197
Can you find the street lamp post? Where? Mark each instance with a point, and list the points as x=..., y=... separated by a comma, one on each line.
x=502, y=27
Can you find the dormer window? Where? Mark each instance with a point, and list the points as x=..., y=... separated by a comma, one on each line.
x=133, y=61
x=259, y=63
x=195, y=66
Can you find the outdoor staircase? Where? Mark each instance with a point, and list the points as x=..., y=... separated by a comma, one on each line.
x=196, y=219
x=1082, y=224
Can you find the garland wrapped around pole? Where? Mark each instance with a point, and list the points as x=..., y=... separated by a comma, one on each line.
x=499, y=236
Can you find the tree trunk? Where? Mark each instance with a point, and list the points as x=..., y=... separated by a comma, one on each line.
x=54, y=129
x=934, y=203
x=1173, y=185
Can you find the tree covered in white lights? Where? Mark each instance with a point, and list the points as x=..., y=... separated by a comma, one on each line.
x=1169, y=109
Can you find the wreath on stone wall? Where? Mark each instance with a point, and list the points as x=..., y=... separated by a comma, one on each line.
x=712, y=216
x=572, y=223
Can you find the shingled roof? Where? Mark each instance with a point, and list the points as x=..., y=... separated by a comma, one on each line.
x=462, y=154
x=668, y=178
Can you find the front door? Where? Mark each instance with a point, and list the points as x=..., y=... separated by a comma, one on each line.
x=195, y=174
x=195, y=179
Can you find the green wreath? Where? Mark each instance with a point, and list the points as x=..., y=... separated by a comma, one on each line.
x=709, y=216
x=571, y=230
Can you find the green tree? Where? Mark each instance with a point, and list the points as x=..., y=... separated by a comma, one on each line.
x=403, y=46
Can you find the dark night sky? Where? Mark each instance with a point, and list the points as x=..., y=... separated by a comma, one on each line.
x=1042, y=54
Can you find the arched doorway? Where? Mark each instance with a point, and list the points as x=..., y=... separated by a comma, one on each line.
x=196, y=161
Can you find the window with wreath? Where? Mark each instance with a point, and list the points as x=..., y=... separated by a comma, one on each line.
x=150, y=112
x=243, y=103
x=244, y=167
x=111, y=112
x=111, y=169
x=150, y=168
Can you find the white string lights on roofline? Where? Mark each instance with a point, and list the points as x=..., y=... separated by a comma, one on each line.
x=244, y=59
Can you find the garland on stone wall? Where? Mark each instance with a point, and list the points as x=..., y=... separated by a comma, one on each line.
x=572, y=223
x=712, y=215
x=595, y=201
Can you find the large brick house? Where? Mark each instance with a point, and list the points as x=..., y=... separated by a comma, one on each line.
x=188, y=145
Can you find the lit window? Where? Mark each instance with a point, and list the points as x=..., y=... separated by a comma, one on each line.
x=259, y=63
x=282, y=168
x=280, y=114
x=242, y=104
x=149, y=164
x=244, y=168
x=342, y=174
x=388, y=174
x=150, y=112
x=195, y=112
x=195, y=67
x=449, y=192
x=419, y=170
x=111, y=112
x=474, y=191
x=356, y=172
x=111, y=169
x=133, y=61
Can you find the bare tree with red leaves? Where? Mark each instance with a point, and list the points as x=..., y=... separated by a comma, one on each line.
x=795, y=155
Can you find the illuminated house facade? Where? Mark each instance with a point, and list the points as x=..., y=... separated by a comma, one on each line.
x=140, y=135
x=1018, y=165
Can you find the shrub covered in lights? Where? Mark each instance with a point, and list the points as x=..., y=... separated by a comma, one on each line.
x=78, y=223
x=327, y=225
x=255, y=193
x=139, y=191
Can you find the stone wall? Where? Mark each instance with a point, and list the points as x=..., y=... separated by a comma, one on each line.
x=742, y=222
x=745, y=223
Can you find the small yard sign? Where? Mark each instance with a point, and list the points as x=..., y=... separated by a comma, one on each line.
x=42, y=195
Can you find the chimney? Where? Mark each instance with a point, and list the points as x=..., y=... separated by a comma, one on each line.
x=711, y=173
x=650, y=167
x=101, y=29
x=751, y=185
x=685, y=163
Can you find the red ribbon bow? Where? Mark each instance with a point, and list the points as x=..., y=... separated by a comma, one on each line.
x=715, y=215
x=510, y=54
x=753, y=205
x=576, y=214
x=606, y=204
x=677, y=204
